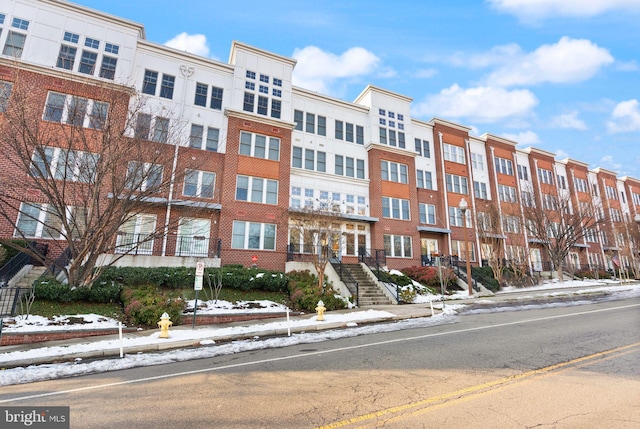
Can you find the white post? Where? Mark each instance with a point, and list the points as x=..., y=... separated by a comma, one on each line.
x=288, y=324
x=120, y=335
x=431, y=305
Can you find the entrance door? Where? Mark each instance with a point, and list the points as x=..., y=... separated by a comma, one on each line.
x=428, y=247
x=536, y=259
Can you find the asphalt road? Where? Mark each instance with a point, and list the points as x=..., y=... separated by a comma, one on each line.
x=563, y=367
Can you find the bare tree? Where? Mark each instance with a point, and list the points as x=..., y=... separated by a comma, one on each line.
x=319, y=232
x=557, y=226
x=488, y=223
x=81, y=171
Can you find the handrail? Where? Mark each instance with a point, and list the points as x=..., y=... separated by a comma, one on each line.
x=348, y=280
x=20, y=260
x=60, y=262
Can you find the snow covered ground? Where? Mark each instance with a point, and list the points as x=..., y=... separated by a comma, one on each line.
x=208, y=347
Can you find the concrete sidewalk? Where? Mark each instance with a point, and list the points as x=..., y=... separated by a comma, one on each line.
x=109, y=345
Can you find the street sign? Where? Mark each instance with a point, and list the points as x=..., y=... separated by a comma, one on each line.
x=197, y=284
x=199, y=268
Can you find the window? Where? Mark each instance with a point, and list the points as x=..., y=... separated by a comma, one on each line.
x=252, y=235
x=477, y=161
x=610, y=192
x=277, y=82
x=14, y=45
x=562, y=182
x=202, y=91
x=250, y=74
x=88, y=62
x=66, y=57
x=70, y=37
x=458, y=248
x=397, y=246
x=161, y=130
x=276, y=108
x=512, y=224
x=581, y=185
x=314, y=161
x=259, y=146
x=455, y=217
x=77, y=111
x=394, y=172
x=137, y=233
x=503, y=166
x=166, y=89
x=422, y=148
x=91, y=43
x=45, y=221
x=216, y=98
x=212, y=139
x=111, y=48
x=256, y=190
x=250, y=85
x=5, y=93
x=545, y=176
x=198, y=184
x=263, y=89
x=322, y=125
x=359, y=134
x=60, y=164
x=143, y=126
x=298, y=118
x=424, y=179
x=507, y=194
x=427, y=213
x=144, y=176
x=454, y=153
x=395, y=208
x=527, y=199
x=311, y=123
x=296, y=157
x=395, y=139
x=615, y=214
x=249, y=99
x=339, y=130
x=523, y=173
x=108, y=68
x=193, y=237
x=195, y=138
x=457, y=184
x=360, y=168
x=349, y=132
x=150, y=82
x=263, y=105
x=276, y=92
x=480, y=190
x=549, y=202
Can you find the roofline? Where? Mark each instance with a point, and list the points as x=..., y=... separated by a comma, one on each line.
x=444, y=122
x=373, y=88
x=103, y=15
x=235, y=44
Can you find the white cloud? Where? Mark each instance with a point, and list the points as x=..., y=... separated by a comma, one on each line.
x=495, y=56
x=533, y=10
x=192, y=43
x=625, y=117
x=318, y=70
x=426, y=73
x=569, y=60
x=480, y=104
x=525, y=138
x=560, y=154
x=569, y=120
x=608, y=163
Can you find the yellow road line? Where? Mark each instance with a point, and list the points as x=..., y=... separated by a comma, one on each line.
x=477, y=388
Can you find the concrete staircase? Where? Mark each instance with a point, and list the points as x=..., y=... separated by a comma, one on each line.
x=369, y=291
x=8, y=294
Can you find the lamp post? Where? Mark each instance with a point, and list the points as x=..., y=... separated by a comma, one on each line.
x=463, y=206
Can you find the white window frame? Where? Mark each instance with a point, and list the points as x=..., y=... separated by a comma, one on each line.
x=199, y=186
x=266, y=196
x=454, y=153
x=242, y=240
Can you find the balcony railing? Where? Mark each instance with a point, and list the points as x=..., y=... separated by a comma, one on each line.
x=177, y=245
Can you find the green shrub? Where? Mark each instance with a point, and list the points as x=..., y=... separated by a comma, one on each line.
x=485, y=276
x=398, y=279
x=50, y=289
x=144, y=306
x=233, y=277
x=304, y=292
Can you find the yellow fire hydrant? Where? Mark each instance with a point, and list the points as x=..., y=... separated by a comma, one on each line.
x=320, y=309
x=164, y=325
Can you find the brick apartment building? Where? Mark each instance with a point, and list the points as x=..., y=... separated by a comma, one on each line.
x=258, y=148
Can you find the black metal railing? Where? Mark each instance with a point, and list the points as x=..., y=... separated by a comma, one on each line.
x=20, y=260
x=309, y=253
x=61, y=262
x=10, y=298
x=348, y=280
x=177, y=245
x=375, y=259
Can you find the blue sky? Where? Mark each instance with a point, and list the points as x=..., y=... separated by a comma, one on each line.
x=560, y=75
